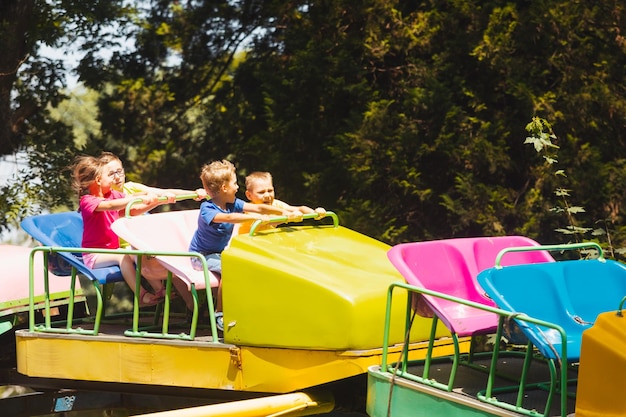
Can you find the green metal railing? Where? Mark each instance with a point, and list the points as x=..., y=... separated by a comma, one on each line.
x=285, y=219
x=487, y=395
x=72, y=327
x=139, y=200
x=135, y=331
x=569, y=246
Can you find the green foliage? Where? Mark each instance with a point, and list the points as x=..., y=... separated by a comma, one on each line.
x=403, y=117
x=31, y=87
x=542, y=137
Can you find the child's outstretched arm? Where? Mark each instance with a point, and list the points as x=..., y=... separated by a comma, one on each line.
x=263, y=209
x=239, y=217
x=321, y=212
x=293, y=214
x=166, y=192
x=149, y=201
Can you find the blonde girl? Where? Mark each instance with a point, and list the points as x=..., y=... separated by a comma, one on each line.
x=100, y=205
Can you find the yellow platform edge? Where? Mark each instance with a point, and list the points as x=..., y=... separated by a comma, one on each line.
x=195, y=364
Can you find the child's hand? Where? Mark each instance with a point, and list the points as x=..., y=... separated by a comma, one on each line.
x=201, y=194
x=171, y=197
x=265, y=218
x=149, y=198
x=321, y=212
x=294, y=216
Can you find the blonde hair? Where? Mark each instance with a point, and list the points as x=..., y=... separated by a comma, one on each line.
x=255, y=176
x=106, y=157
x=215, y=175
x=85, y=170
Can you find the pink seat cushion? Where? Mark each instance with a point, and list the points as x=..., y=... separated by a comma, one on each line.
x=450, y=266
x=166, y=232
x=14, y=278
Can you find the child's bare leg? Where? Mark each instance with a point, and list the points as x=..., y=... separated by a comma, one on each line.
x=157, y=285
x=127, y=265
x=183, y=291
x=218, y=298
x=147, y=265
x=102, y=260
x=214, y=264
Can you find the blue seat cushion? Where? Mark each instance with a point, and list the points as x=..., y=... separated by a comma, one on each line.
x=65, y=229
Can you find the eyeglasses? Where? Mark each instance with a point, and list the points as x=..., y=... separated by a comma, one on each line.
x=118, y=173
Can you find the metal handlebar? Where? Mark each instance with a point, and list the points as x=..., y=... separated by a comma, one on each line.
x=621, y=306
x=162, y=198
x=285, y=219
x=569, y=246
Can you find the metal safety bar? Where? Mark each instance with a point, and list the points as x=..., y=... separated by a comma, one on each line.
x=285, y=219
x=47, y=327
x=569, y=246
x=162, y=198
x=487, y=394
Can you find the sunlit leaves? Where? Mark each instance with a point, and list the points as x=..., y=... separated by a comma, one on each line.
x=575, y=210
x=405, y=117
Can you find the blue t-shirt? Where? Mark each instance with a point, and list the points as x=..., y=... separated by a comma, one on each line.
x=212, y=237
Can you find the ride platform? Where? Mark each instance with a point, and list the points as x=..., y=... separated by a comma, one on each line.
x=547, y=313
x=113, y=357
x=304, y=306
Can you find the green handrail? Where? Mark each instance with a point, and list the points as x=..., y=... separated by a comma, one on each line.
x=569, y=246
x=285, y=219
x=135, y=325
x=503, y=314
x=621, y=306
x=162, y=198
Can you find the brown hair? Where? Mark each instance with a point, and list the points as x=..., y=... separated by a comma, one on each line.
x=215, y=175
x=257, y=175
x=85, y=170
x=106, y=157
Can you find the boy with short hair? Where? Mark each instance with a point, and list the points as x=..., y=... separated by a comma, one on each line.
x=260, y=190
x=219, y=215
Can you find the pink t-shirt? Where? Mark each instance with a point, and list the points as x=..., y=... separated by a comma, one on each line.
x=97, y=232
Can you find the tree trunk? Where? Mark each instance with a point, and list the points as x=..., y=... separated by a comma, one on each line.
x=16, y=23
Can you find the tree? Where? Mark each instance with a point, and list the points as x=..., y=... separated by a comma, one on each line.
x=406, y=118
x=443, y=143
x=159, y=106
x=31, y=83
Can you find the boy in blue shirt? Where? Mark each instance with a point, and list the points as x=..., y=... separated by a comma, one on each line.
x=219, y=215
